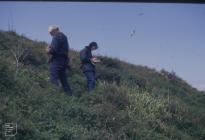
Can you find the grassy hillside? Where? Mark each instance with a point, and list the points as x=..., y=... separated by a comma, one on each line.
x=130, y=102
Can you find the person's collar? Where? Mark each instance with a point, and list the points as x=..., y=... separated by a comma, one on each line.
x=56, y=34
x=88, y=47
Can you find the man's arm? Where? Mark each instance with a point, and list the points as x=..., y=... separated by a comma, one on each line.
x=54, y=46
x=84, y=57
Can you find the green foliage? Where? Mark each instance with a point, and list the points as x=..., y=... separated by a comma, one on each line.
x=130, y=102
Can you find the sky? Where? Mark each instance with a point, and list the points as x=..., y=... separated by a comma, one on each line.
x=157, y=35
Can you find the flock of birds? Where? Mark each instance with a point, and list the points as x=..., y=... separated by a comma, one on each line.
x=134, y=31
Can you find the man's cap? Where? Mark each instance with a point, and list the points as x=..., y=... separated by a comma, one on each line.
x=93, y=44
x=52, y=28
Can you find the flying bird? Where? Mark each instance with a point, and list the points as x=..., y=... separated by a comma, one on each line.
x=140, y=14
x=132, y=33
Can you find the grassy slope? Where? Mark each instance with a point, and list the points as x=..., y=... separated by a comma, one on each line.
x=130, y=102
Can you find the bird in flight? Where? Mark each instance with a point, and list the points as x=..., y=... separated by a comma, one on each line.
x=140, y=14
x=132, y=33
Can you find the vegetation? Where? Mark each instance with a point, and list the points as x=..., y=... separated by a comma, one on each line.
x=130, y=102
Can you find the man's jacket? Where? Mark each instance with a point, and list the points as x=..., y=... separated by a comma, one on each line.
x=59, y=50
x=85, y=56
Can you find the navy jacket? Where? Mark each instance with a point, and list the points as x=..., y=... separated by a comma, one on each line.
x=85, y=56
x=59, y=50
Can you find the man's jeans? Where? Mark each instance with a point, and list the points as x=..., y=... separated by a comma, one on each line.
x=90, y=76
x=59, y=73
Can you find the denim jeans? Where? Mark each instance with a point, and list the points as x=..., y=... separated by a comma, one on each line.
x=90, y=76
x=59, y=73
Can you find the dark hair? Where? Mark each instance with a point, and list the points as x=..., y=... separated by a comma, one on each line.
x=93, y=44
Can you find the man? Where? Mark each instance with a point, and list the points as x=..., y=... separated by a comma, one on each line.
x=58, y=50
x=87, y=64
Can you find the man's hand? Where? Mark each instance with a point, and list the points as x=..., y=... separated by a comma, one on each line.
x=47, y=49
x=95, y=60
